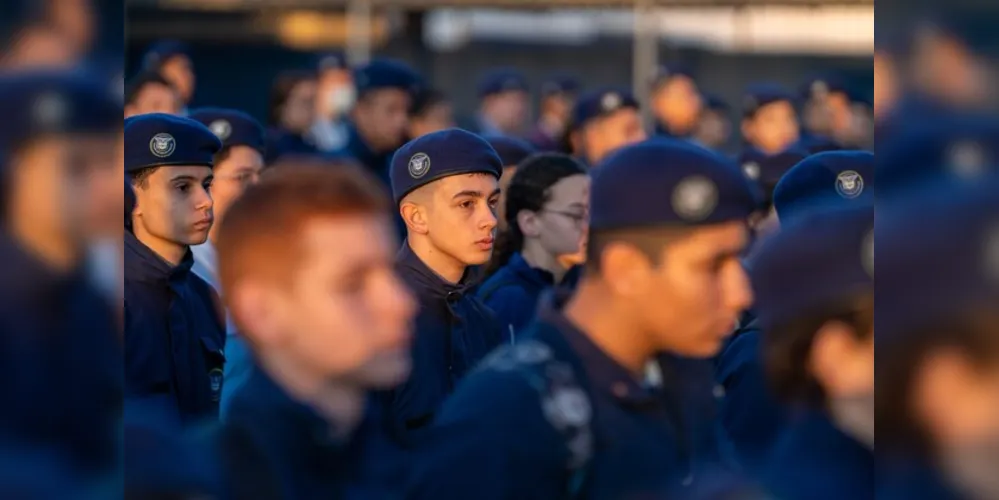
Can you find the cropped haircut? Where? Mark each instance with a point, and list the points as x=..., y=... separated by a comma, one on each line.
x=649, y=241
x=787, y=348
x=974, y=335
x=530, y=189
x=139, y=82
x=281, y=89
x=260, y=235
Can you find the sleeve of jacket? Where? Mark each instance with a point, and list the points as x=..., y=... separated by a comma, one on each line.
x=511, y=307
x=491, y=442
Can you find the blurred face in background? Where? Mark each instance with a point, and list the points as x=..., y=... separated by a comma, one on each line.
x=677, y=104
x=40, y=47
x=557, y=108
x=885, y=90
x=714, y=129
x=773, y=128
x=605, y=134
x=438, y=117
x=75, y=19
x=947, y=69
x=507, y=110
x=179, y=71
x=236, y=168
x=298, y=112
x=154, y=98
x=381, y=117
x=336, y=94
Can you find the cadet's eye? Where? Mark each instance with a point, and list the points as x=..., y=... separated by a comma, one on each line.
x=183, y=188
x=207, y=184
x=493, y=203
x=467, y=204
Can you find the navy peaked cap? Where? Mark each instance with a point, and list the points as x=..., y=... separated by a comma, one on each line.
x=386, y=74
x=159, y=52
x=511, y=150
x=601, y=102
x=822, y=259
x=951, y=147
x=157, y=139
x=232, y=127
x=438, y=155
x=830, y=179
x=668, y=182
x=764, y=94
x=715, y=102
x=939, y=251
x=502, y=80
x=766, y=170
x=560, y=85
x=44, y=102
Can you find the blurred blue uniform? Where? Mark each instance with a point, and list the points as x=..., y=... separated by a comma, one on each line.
x=542, y=137
x=275, y=447
x=513, y=291
x=527, y=425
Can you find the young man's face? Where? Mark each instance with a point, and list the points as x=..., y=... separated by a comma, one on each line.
x=154, y=98
x=174, y=206
x=347, y=315
x=179, y=71
x=773, y=128
x=678, y=103
x=461, y=216
x=239, y=170
x=382, y=116
x=692, y=300
x=71, y=185
x=614, y=131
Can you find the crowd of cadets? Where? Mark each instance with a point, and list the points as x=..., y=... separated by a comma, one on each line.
x=363, y=301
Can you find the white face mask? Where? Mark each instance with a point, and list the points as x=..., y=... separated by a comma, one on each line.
x=975, y=469
x=341, y=100
x=854, y=415
x=106, y=267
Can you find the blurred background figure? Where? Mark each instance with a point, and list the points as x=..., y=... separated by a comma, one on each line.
x=558, y=96
x=714, y=126
x=769, y=120
x=291, y=115
x=335, y=99
x=430, y=111
x=512, y=152
x=148, y=92
x=602, y=122
x=503, y=103
x=172, y=60
x=675, y=101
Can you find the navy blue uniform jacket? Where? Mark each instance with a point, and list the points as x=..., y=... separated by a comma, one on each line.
x=454, y=331
x=174, y=337
x=60, y=362
x=749, y=413
x=911, y=478
x=276, y=448
x=554, y=417
x=359, y=151
x=513, y=291
x=814, y=460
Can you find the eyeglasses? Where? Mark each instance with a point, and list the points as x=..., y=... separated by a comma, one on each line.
x=244, y=179
x=578, y=218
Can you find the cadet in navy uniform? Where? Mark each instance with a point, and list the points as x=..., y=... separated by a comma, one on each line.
x=714, y=126
x=503, y=103
x=328, y=322
x=826, y=114
x=511, y=151
x=237, y=166
x=603, y=121
x=59, y=339
x=675, y=101
x=769, y=121
x=378, y=123
x=290, y=116
x=174, y=335
x=814, y=287
x=446, y=185
x=172, y=60
x=549, y=214
x=749, y=411
x=558, y=96
x=766, y=171
x=566, y=411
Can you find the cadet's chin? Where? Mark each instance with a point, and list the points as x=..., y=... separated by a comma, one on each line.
x=197, y=237
x=478, y=257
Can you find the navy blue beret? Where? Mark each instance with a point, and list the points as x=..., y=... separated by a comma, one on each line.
x=441, y=154
x=158, y=139
x=665, y=72
x=939, y=252
x=36, y=103
x=560, y=85
x=163, y=50
x=511, y=150
x=763, y=94
x=961, y=147
x=822, y=259
x=502, y=80
x=601, y=102
x=668, y=182
x=232, y=127
x=331, y=61
x=714, y=102
x=767, y=170
x=386, y=74
x=830, y=179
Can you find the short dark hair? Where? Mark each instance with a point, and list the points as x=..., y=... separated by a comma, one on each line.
x=140, y=178
x=650, y=241
x=787, y=348
x=424, y=100
x=281, y=88
x=139, y=82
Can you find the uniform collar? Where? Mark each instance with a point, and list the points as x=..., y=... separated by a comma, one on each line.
x=602, y=372
x=534, y=275
x=425, y=281
x=142, y=264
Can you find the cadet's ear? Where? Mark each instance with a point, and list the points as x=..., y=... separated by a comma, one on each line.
x=529, y=223
x=415, y=216
x=625, y=269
